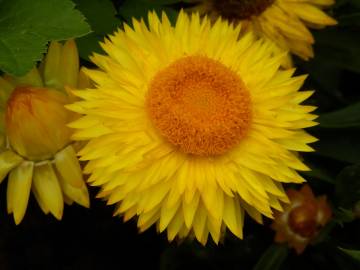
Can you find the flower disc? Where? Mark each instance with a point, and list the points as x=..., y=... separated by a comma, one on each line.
x=200, y=105
x=241, y=9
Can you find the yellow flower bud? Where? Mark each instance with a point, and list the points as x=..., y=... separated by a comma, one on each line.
x=35, y=122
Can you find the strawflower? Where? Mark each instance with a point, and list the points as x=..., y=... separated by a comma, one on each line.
x=190, y=126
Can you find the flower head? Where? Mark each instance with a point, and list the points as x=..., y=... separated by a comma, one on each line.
x=37, y=151
x=191, y=125
x=302, y=219
x=285, y=22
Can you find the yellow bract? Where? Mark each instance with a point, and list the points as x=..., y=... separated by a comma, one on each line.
x=145, y=172
x=36, y=151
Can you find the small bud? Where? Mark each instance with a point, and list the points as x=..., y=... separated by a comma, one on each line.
x=302, y=219
x=35, y=122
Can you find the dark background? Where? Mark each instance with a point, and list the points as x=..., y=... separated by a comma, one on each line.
x=93, y=239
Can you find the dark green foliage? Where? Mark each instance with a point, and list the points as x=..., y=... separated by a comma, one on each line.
x=272, y=258
x=103, y=19
x=26, y=27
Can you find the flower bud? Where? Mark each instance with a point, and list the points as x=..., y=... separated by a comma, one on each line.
x=302, y=219
x=35, y=122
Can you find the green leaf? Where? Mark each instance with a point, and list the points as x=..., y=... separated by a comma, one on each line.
x=342, y=44
x=27, y=26
x=326, y=77
x=101, y=14
x=319, y=173
x=140, y=9
x=324, y=233
x=272, y=258
x=347, y=187
x=355, y=254
x=345, y=118
x=89, y=44
x=342, y=215
x=350, y=19
x=355, y=3
x=347, y=3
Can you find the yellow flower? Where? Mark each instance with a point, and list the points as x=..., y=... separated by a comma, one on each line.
x=285, y=22
x=191, y=125
x=302, y=219
x=36, y=150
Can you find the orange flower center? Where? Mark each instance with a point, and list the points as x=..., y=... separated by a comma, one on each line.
x=234, y=10
x=302, y=220
x=200, y=106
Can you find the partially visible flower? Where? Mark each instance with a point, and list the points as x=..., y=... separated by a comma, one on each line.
x=36, y=150
x=285, y=22
x=302, y=219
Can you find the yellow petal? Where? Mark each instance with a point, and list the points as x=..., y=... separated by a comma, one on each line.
x=67, y=200
x=233, y=216
x=79, y=195
x=69, y=64
x=214, y=228
x=175, y=226
x=68, y=167
x=189, y=210
x=83, y=80
x=52, y=66
x=167, y=214
x=41, y=203
x=200, y=222
x=8, y=161
x=311, y=14
x=18, y=190
x=146, y=220
x=48, y=189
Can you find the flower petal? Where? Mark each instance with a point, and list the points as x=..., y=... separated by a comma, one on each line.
x=48, y=189
x=8, y=161
x=67, y=165
x=18, y=190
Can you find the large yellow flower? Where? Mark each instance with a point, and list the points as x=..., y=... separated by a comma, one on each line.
x=35, y=146
x=191, y=125
x=285, y=22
